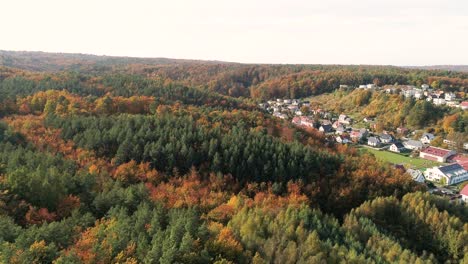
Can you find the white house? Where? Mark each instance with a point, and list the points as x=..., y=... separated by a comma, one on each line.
x=409, y=93
x=342, y=139
x=448, y=175
x=438, y=101
x=340, y=130
x=362, y=86
x=344, y=119
x=373, y=141
x=418, y=94
x=436, y=154
x=427, y=138
x=413, y=144
x=386, y=138
x=417, y=175
x=397, y=147
x=450, y=96
x=371, y=86
x=425, y=86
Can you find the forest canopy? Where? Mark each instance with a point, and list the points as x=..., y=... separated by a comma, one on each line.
x=124, y=160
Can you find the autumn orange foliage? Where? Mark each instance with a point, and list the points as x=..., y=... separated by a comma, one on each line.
x=132, y=172
x=34, y=216
x=190, y=191
x=48, y=139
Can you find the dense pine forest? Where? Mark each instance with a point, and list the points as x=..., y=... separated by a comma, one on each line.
x=127, y=160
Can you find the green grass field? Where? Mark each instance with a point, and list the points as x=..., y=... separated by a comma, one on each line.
x=395, y=158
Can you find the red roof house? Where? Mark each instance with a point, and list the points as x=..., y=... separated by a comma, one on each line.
x=464, y=105
x=460, y=159
x=436, y=154
x=464, y=194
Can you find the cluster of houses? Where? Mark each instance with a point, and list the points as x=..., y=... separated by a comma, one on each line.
x=283, y=108
x=450, y=174
x=453, y=173
x=400, y=146
x=455, y=166
x=369, y=86
x=437, y=97
x=340, y=127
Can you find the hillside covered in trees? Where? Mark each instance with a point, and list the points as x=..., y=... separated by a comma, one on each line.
x=233, y=79
x=394, y=110
x=121, y=160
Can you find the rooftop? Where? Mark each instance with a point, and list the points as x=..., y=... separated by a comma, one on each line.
x=412, y=142
x=414, y=173
x=439, y=152
x=428, y=135
x=459, y=158
x=386, y=136
x=464, y=191
x=464, y=165
x=452, y=170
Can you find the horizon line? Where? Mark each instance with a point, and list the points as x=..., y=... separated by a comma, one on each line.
x=222, y=61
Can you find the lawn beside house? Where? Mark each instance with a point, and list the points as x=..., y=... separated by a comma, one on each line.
x=408, y=162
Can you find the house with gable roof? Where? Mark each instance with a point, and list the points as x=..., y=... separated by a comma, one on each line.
x=448, y=175
x=413, y=144
x=427, y=138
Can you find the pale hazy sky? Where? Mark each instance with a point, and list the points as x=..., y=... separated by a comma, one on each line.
x=398, y=32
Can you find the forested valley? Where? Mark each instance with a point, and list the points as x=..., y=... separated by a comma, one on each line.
x=160, y=161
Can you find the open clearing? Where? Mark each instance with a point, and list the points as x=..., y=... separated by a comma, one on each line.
x=395, y=158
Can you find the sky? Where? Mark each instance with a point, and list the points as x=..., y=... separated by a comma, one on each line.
x=389, y=32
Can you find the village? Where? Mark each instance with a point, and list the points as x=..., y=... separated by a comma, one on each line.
x=443, y=170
